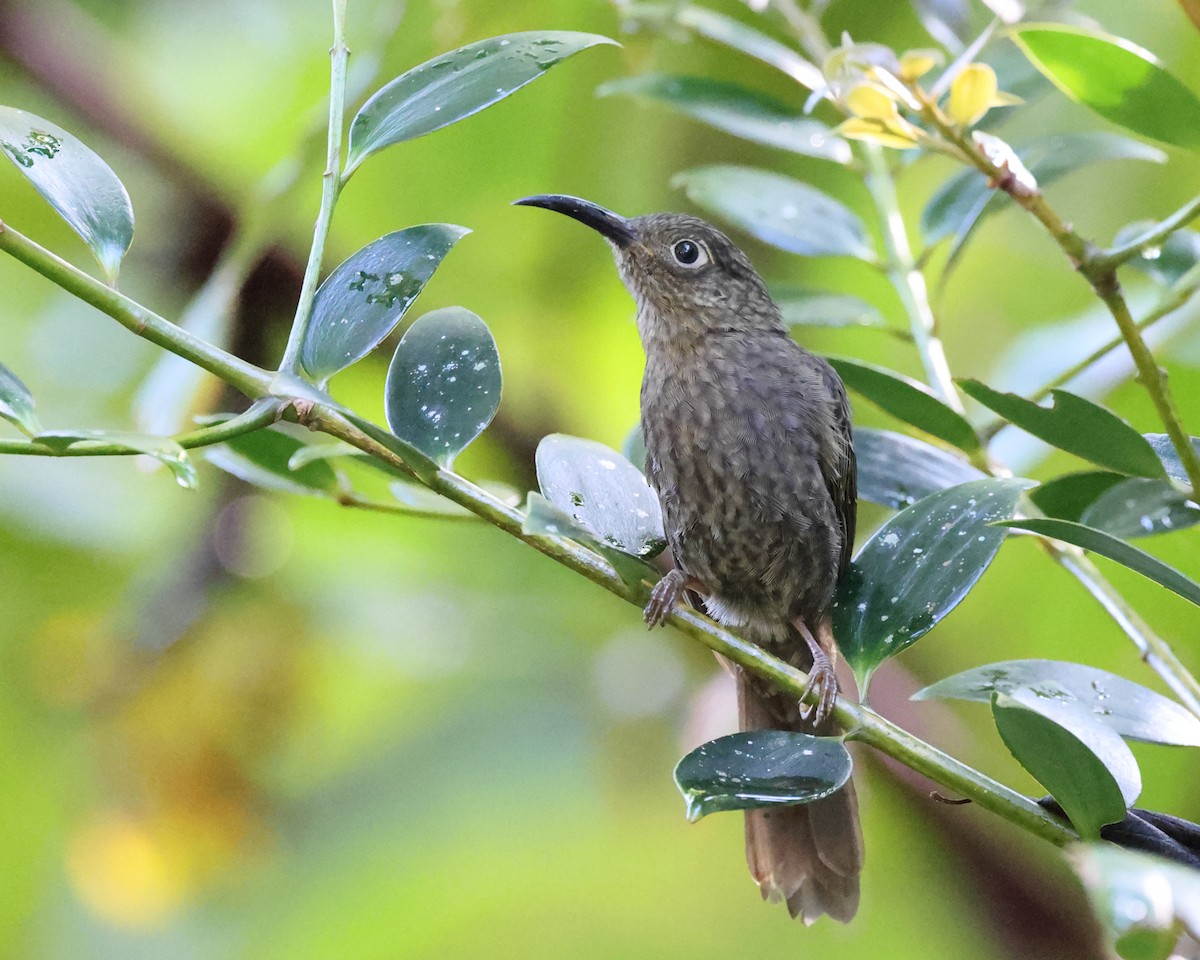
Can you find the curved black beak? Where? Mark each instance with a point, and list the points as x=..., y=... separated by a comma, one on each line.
x=610, y=225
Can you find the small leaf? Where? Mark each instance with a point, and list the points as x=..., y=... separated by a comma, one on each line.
x=1114, y=549
x=1075, y=425
x=77, y=183
x=443, y=385
x=778, y=210
x=1164, y=449
x=456, y=85
x=601, y=491
x=907, y=400
x=761, y=768
x=263, y=458
x=1066, y=497
x=16, y=403
x=163, y=449
x=1062, y=762
x=918, y=567
x=896, y=471
x=1128, y=708
x=1138, y=508
x=736, y=110
x=812, y=308
x=1168, y=261
x=738, y=36
x=361, y=302
x=1142, y=900
x=1115, y=78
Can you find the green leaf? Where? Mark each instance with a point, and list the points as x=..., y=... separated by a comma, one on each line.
x=1168, y=261
x=761, y=768
x=896, y=471
x=737, y=110
x=16, y=403
x=1115, y=78
x=1164, y=449
x=263, y=458
x=361, y=302
x=601, y=491
x=634, y=448
x=918, y=567
x=420, y=500
x=1130, y=709
x=163, y=449
x=907, y=400
x=1142, y=900
x=77, y=183
x=778, y=210
x=1061, y=761
x=1114, y=549
x=456, y=85
x=543, y=519
x=1137, y=508
x=812, y=308
x=745, y=39
x=1075, y=425
x=1066, y=497
x=443, y=385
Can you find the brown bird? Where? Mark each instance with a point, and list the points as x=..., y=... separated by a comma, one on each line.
x=748, y=446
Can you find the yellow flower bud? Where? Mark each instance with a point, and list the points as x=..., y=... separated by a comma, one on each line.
x=972, y=94
x=870, y=103
x=914, y=64
x=897, y=133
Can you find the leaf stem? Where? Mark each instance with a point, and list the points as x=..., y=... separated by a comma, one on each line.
x=331, y=187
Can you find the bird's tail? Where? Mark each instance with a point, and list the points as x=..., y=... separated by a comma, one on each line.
x=809, y=856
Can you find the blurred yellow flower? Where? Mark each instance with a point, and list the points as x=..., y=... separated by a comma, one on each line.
x=974, y=92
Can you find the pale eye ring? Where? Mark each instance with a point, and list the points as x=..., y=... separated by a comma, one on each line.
x=690, y=253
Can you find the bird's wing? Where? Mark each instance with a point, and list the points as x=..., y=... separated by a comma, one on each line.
x=838, y=464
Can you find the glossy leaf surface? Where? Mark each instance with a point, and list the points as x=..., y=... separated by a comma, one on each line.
x=1076, y=425
x=1137, y=508
x=1168, y=261
x=907, y=400
x=16, y=402
x=778, y=210
x=458, y=84
x=896, y=471
x=77, y=183
x=762, y=768
x=918, y=567
x=163, y=449
x=364, y=298
x=443, y=385
x=1161, y=444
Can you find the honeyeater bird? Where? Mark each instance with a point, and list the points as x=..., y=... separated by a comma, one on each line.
x=749, y=449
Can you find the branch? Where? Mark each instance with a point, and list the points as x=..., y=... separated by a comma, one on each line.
x=1154, y=236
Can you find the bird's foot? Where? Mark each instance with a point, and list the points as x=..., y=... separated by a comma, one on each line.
x=666, y=594
x=823, y=679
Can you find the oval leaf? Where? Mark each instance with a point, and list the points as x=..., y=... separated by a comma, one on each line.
x=1115, y=549
x=896, y=471
x=1076, y=425
x=264, y=458
x=1127, y=707
x=812, y=308
x=762, y=768
x=361, y=302
x=601, y=491
x=1164, y=449
x=737, y=110
x=1115, y=78
x=163, y=449
x=907, y=400
x=1061, y=762
x=456, y=85
x=16, y=403
x=79, y=185
x=1138, y=508
x=443, y=386
x=778, y=210
x=543, y=519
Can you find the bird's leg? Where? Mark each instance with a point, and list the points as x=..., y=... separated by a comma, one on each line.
x=666, y=594
x=821, y=676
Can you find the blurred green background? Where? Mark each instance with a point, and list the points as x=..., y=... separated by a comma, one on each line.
x=245, y=725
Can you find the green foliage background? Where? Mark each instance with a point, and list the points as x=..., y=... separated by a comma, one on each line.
x=388, y=737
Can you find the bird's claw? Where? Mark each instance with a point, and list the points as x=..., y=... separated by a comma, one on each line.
x=823, y=679
x=665, y=595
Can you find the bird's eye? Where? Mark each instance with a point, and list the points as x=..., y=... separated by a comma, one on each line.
x=690, y=253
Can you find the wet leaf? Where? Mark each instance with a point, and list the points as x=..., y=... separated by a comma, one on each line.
x=762, y=768
x=1075, y=425
x=745, y=39
x=1105, y=544
x=163, y=449
x=1166, y=262
x=543, y=519
x=778, y=210
x=263, y=458
x=896, y=471
x=1066, y=497
x=364, y=298
x=601, y=491
x=1115, y=78
x=1164, y=449
x=907, y=400
x=77, y=183
x=443, y=386
x=736, y=110
x=16, y=403
x=1063, y=761
x=918, y=567
x=456, y=85
x=1128, y=708
x=1143, y=901
x=1138, y=508
x=813, y=308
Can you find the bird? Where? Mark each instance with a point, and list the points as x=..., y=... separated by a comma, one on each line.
x=749, y=449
